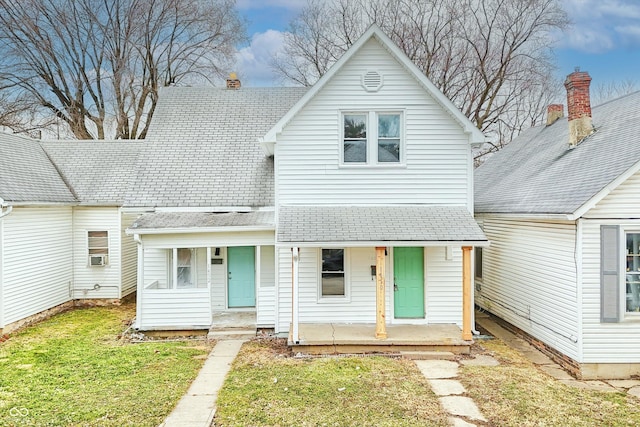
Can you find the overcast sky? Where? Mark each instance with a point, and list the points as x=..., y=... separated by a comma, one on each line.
x=604, y=39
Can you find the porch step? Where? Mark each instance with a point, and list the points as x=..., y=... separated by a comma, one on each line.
x=428, y=355
x=231, y=334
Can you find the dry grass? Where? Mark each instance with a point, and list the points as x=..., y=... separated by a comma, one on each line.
x=268, y=388
x=516, y=393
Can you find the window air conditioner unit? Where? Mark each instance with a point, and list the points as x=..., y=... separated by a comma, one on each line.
x=97, y=260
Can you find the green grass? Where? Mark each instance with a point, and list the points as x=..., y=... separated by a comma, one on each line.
x=516, y=393
x=72, y=370
x=264, y=389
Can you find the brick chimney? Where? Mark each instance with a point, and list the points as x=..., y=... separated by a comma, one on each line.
x=578, y=106
x=554, y=112
x=233, y=82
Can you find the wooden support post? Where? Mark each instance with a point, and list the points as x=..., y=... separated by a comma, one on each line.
x=466, y=293
x=381, y=326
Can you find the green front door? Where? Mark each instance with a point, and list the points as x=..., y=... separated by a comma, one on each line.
x=242, y=276
x=408, y=277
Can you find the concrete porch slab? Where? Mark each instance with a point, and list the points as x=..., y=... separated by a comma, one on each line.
x=327, y=338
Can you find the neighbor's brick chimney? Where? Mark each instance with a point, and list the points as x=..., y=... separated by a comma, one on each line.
x=233, y=82
x=578, y=106
x=554, y=112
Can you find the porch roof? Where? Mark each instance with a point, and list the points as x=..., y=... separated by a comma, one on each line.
x=199, y=222
x=373, y=225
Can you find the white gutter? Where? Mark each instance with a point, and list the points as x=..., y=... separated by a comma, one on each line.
x=187, y=230
x=367, y=244
x=5, y=208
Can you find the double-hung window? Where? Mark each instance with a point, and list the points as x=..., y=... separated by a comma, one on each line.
x=98, y=246
x=182, y=274
x=372, y=137
x=632, y=274
x=332, y=282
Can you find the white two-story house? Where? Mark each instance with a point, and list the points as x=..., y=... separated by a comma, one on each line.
x=347, y=203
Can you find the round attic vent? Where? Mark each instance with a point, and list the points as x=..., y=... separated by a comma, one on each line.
x=372, y=81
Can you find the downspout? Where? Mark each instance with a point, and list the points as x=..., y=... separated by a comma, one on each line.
x=140, y=279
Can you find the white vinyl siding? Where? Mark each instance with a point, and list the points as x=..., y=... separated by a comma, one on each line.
x=129, y=257
x=219, y=281
x=436, y=168
x=443, y=285
x=266, y=304
x=529, y=279
x=622, y=202
x=605, y=342
x=36, y=262
x=96, y=282
x=175, y=309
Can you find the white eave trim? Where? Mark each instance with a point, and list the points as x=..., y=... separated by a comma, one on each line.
x=475, y=135
x=363, y=244
x=592, y=202
x=198, y=230
x=537, y=216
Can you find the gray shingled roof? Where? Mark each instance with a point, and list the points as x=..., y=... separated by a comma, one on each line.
x=202, y=148
x=199, y=220
x=27, y=175
x=98, y=172
x=537, y=172
x=361, y=224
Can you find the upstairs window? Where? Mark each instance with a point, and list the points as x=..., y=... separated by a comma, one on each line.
x=380, y=143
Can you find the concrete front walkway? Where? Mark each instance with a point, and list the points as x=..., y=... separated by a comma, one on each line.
x=198, y=406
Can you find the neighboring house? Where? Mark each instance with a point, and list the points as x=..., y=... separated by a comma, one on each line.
x=61, y=230
x=561, y=206
x=347, y=203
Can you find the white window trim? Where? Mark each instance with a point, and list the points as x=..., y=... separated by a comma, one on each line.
x=328, y=299
x=372, y=140
x=172, y=262
x=626, y=315
x=106, y=256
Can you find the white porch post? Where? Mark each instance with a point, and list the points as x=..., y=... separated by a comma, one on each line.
x=381, y=323
x=209, y=281
x=295, y=254
x=466, y=293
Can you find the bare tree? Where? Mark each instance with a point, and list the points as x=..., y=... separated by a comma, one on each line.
x=490, y=57
x=97, y=65
x=607, y=91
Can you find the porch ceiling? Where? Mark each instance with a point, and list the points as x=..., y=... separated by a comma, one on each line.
x=372, y=225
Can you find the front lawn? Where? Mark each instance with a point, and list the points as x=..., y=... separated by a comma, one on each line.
x=516, y=393
x=265, y=388
x=72, y=370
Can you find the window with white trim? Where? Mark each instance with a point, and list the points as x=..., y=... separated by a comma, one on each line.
x=182, y=271
x=478, y=263
x=98, y=248
x=333, y=278
x=632, y=274
x=372, y=137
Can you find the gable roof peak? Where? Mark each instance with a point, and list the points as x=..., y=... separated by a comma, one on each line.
x=374, y=31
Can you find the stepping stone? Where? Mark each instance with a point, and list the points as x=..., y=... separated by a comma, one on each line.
x=446, y=387
x=624, y=383
x=480, y=360
x=635, y=391
x=459, y=422
x=589, y=385
x=537, y=357
x=462, y=407
x=434, y=369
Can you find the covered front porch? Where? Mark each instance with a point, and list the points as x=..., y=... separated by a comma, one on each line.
x=341, y=338
x=370, y=279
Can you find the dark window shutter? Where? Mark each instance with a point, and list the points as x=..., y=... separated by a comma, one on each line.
x=609, y=273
